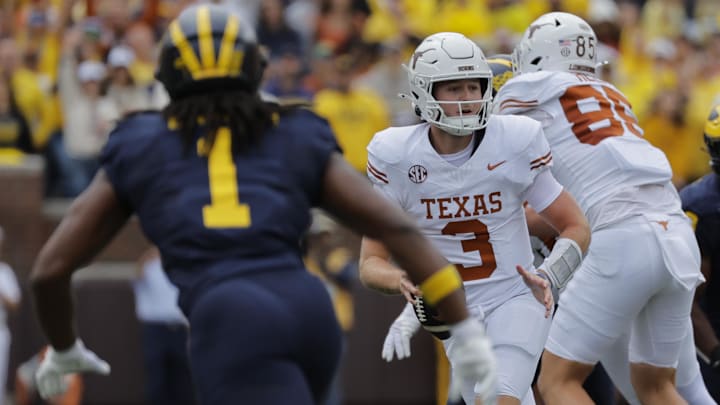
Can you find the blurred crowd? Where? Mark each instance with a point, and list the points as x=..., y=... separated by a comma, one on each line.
x=69, y=69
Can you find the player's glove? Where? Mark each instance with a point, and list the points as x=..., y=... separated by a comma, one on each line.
x=77, y=359
x=397, y=341
x=472, y=358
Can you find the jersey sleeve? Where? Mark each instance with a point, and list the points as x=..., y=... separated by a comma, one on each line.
x=538, y=154
x=527, y=95
x=116, y=159
x=314, y=143
x=536, y=159
x=543, y=191
x=381, y=172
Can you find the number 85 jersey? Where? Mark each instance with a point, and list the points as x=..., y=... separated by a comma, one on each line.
x=474, y=213
x=597, y=143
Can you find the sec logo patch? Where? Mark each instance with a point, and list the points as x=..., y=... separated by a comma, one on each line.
x=417, y=174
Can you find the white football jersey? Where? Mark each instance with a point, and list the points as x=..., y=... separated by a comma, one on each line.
x=600, y=155
x=473, y=213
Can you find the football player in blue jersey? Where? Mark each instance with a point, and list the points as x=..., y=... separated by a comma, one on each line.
x=701, y=202
x=223, y=183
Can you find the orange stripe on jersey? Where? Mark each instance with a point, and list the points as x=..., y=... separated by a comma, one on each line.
x=541, y=164
x=512, y=102
x=377, y=174
x=541, y=158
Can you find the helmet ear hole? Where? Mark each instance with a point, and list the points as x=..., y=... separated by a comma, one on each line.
x=536, y=61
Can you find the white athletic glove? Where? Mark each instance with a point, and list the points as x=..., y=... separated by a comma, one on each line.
x=77, y=359
x=472, y=358
x=397, y=341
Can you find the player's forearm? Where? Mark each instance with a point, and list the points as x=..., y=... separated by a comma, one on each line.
x=705, y=338
x=580, y=233
x=381, y=275
x=54, y=308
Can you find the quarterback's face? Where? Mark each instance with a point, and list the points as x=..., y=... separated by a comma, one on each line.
x=451, y=92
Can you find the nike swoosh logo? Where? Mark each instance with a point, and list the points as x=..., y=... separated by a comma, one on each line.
x=493, y=167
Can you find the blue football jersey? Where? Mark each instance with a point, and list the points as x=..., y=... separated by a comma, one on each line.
x=701, y=200
x=214, y=214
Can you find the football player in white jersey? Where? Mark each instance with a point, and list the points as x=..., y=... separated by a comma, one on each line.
x=636, y=284
x=465, y=175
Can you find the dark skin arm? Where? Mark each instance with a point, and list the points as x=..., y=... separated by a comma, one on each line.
x=92, y=221
x=351, y=198
x=705, y=338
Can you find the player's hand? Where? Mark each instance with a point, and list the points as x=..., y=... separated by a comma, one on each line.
x=77, y=359
x=540, y=288
x=472, y=358
x=397, y=341
x=408, y=289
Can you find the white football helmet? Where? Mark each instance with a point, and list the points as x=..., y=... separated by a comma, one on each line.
x=557, y=42
x=442, y=57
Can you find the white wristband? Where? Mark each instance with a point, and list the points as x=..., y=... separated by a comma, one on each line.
x=564, y=259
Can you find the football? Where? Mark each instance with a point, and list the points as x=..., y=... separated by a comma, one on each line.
x=430, y=319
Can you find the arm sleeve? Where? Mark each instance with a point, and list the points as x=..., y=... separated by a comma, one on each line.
x=379, y=173
x=112, y=163
x=313, y=146
x=543, y=191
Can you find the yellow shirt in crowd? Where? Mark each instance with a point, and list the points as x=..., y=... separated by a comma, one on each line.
x=355, y=116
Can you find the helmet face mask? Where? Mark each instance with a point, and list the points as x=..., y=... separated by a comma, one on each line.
x=446, y=57
x=557, y=42
x=711, y=136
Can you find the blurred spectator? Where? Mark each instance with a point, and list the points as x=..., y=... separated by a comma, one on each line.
x=388, y=79
x=301, y=16
x=274, y=33
x=164, y=335
x=665, y=128
x=25, y=88
x=87, y=117
x=341, y=23
x=9, y=302
x=663, y=19
x=512, y=15
x=26, y=390
x=141, y=39
x=355, y=114
x=284, y=75
x=123, y=92
x=14, y=132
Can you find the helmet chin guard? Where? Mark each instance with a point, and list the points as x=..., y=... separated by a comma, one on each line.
x=444, y=57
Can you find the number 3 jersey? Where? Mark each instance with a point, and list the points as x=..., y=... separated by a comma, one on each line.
x=599, y=154
x=473, y=213
x=191, y=204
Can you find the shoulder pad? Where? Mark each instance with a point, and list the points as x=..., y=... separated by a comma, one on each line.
x=530, y=90
x=390, y=145
x=140, y=122
x=523, y=130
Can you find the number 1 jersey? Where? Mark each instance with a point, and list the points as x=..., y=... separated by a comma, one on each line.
x=218, y=214
x=473, y=213
x=599, y=153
